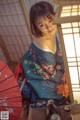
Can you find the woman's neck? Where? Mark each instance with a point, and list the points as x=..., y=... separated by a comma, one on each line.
x=48, y=44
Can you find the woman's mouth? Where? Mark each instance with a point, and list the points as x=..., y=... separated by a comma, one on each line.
x=51, y=30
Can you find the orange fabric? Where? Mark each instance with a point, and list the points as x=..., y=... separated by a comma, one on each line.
x=18, y=70
x=63, y=88
x=64, y=78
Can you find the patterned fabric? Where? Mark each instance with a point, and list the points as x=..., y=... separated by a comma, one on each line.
x=45, y=76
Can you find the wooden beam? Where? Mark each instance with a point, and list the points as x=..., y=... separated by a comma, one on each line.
x=26, y=17
x=4, y=49
x=10, y=63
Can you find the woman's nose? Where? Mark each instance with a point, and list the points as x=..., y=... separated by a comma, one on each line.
x=48, y=26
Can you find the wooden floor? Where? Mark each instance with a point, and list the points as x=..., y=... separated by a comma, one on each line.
x=23, y=115
x=34, y=114
x=40, y=114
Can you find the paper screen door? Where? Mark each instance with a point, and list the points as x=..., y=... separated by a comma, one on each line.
x=67, y=19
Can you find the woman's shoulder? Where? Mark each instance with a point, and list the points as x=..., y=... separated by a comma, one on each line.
x=27, y=51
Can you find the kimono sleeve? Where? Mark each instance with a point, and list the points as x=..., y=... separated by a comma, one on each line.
x=59, y=57
x=18, y=70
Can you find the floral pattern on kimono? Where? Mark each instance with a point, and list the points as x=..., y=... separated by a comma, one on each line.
x=45, y=76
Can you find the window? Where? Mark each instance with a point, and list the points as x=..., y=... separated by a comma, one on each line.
x=67, y=19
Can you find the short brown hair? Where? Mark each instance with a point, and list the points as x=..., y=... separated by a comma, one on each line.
x=40, y=9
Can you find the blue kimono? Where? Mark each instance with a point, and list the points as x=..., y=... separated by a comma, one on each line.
x=40, y=68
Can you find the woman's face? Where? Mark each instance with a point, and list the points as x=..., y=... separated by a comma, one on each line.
x=46, y=26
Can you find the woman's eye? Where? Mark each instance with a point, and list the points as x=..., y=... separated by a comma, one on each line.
x=50, y=20
x=41, y=25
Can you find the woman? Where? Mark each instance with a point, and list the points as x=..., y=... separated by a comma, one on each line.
x=42, y=65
